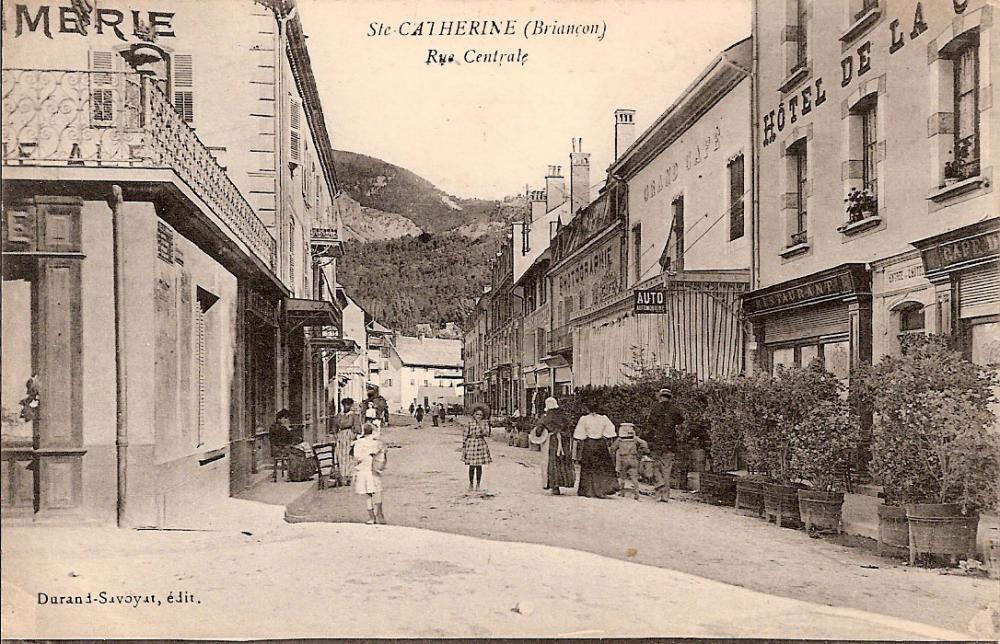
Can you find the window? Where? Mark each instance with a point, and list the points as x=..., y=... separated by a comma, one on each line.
x=673, y=253
x=291, y=254
x=911, y=318
x=636, y=253
x=802, y=31
x=966, y=148
x=800, y=172
x=543, y=295
x=102, y=88
x=183, y=86
x=540, y=342
x=525, y=239
x=736, y=223
x=869, y=149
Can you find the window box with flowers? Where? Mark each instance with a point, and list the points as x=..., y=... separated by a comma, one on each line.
x=798, y=243
x=862, y=212
x=961, y=174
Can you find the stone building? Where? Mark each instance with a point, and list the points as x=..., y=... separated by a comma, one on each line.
x=876, y=135
x=170, y=239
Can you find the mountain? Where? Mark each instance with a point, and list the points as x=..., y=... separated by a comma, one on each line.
x=414, y=254
x=385, y=187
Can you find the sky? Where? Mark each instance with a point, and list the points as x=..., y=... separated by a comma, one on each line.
x=487, y=130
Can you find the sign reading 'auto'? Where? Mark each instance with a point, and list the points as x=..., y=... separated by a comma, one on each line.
x=650, y=301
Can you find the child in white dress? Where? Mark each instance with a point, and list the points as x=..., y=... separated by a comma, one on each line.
x=369, y=460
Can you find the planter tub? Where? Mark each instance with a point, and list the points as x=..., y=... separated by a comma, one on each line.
x=893, y=530
x=821, y=510
x=749, y=496
x=940, y=529
x=720, y=488
x=781, y=502
x=522, y=439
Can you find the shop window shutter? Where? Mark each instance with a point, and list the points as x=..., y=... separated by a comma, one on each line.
x=184, y=86
x=294, y=132
x=979, y=290
x=812, y=322
x=102, y=99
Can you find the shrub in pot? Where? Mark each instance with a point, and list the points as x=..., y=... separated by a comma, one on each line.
x=821, y=450
x=725, y=425
x=785, y=401
x=935, y=449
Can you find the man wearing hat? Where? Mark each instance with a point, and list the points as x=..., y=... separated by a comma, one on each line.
x=664, y=420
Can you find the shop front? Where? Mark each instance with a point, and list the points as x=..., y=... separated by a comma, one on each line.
x=825, y=316
x=310, y=325
x=963, y=266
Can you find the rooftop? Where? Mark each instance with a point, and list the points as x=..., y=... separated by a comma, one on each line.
x=429, y=352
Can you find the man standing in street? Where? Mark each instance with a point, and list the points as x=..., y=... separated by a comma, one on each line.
x=664, y=421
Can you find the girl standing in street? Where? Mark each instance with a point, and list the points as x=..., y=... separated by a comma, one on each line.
x=475, y=450
x=419, y=413
x=347, y=426
x=369, y=460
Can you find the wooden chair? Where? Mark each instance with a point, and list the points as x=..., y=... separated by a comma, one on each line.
x=324, y=463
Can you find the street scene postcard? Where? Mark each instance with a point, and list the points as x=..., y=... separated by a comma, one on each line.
x=500, y=319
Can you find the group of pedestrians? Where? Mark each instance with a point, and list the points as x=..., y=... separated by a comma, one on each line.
x=438, y=413
x=608, y=458
x=360, y=455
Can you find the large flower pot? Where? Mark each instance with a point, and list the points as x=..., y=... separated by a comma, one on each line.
x=749, y=496
x=522, y=439
x=781, y=502
x=821, y=510
x=718, y=488
x=697, y=463
x=893, y=530
x=941, y=529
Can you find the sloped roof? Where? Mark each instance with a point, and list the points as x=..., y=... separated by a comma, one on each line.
x=429, y=352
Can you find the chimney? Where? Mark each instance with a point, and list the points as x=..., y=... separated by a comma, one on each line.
x=536, y=205
x=624, y=131
x=555, y=187
x=579, y=177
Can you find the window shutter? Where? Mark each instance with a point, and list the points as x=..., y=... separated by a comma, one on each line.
x=184, y=86
x=102, y=88
x=199, y=311
x=294, y=137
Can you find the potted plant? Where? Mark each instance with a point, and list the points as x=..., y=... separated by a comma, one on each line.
x=958, y=168
x=861, y=205
x=821, y=451
x=725, y=431
x=755, y=401
x=794, y=395
x=934, y=449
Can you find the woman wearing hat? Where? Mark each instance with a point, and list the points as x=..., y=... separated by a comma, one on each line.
x=597, y=470
x=554, y=435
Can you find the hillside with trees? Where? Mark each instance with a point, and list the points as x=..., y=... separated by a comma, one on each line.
x=411, y=280
x=413, y=253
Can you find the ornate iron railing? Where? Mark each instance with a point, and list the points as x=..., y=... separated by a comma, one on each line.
x=561, y=339
x=118, y=119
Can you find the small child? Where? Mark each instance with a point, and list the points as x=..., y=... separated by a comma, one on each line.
x=369, y=461
x=627, y=449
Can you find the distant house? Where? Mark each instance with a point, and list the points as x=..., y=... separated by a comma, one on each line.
x=422, y=370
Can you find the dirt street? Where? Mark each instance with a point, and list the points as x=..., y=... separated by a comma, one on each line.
x=427, y=487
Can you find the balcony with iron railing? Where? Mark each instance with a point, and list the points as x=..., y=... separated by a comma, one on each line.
x=561, y=340
x=90, y=119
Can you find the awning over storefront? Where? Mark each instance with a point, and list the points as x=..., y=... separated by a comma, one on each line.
x=312, y=313
x=339, y=345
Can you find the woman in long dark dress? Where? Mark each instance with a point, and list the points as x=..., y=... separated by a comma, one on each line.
x=554, y=429
x=592, y=437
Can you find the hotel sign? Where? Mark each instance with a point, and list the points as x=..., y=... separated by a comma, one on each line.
x=650, y=301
